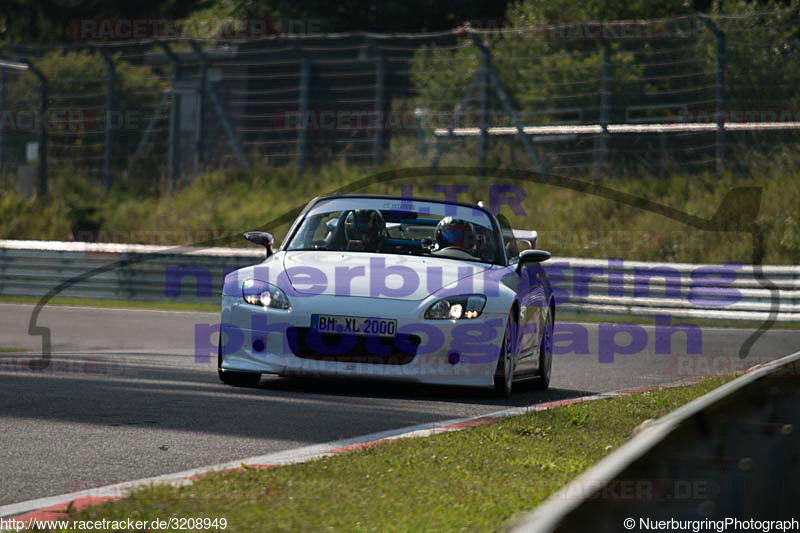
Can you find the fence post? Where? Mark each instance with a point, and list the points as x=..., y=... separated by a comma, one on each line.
x=108, y=141
x=2, y=106
x=230, y=132
x=484, y=97
x=150, y=127
x=380, y=121
x=199, y=131
x=458, y=109
x=505, y=101
x=721, y=104
x=42, y=132
x=605, y=109
x=302, y=133
x=174, y=132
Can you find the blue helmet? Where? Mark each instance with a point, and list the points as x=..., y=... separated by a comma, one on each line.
x=452, y=231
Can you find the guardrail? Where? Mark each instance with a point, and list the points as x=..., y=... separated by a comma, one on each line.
x=132, y=271
x=117, y=271
x=731, y=454
x=778, y=291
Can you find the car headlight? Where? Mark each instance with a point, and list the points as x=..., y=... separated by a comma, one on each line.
x=257, y=292
x=456, y=307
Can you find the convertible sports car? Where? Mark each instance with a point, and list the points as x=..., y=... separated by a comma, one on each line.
x=384, y=287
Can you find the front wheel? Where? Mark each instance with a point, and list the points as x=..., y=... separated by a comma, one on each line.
x=507, y=361
x=237, y=379
x=545, y=354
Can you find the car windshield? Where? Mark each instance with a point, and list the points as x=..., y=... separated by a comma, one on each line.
x=399, y=226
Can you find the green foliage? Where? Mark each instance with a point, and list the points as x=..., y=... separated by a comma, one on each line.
x=219, y=206
x=358, y=15
x=550, y=63
x=441, y=76
x=535, y=11
x=21, y=218
x=763, y=63
x=74, y=74
x=34, y=21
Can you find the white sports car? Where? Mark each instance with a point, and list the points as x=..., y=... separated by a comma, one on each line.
x=391, y=288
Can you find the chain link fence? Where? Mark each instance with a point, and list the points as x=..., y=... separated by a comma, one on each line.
x=689, y=94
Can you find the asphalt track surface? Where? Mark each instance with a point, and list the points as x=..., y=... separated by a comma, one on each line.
x=123, y=398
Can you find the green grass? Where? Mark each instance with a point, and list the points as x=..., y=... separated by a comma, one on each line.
x=164, y=305
x=220, y=205
x=10, y=350
x=475, y=480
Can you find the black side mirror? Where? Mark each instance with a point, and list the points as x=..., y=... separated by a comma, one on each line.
x=261, y=237
x=532, y=256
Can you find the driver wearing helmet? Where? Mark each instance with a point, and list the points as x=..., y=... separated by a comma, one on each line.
x=364, y=230
x=455, y=233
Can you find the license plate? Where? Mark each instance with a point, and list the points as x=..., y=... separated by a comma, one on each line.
x=383, y=327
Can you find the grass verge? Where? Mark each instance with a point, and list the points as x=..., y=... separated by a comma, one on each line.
x=218, y=206
x=476, y=479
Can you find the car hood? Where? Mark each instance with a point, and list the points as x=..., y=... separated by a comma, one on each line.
x=403, y=277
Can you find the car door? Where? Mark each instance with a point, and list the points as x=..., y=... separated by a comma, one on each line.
x=532, y=300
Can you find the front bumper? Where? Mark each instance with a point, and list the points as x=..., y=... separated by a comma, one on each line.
x=450, y=352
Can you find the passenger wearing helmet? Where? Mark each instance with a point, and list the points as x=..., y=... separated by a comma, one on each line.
x=455, y=233
x=364, y=230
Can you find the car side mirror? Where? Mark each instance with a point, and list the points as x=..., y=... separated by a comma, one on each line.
x=261, y=237
x=527, y=257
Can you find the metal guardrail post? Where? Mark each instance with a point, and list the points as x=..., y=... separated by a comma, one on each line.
x=147, y=131
x=45, y=97
x=457, y=112
x=108, y=141
x=174, y=126
x=200, y=130
x=380, y=99
x=302, y=107
x=505, y=100
x=605, y=108
x=721, y=102
x=483, y=143
x=236, y=144
x=722, y=59
x=2, y=106
x=230, y=132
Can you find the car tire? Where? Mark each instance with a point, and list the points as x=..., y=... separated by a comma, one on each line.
x=542, y=380
x=506, y=362
x=236, y=379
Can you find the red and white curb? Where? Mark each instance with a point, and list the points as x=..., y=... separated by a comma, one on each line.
x=54, y=507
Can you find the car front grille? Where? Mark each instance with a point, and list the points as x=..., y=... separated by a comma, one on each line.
x=348, y=348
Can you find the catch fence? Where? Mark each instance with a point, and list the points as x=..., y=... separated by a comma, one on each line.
x=689, y=94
